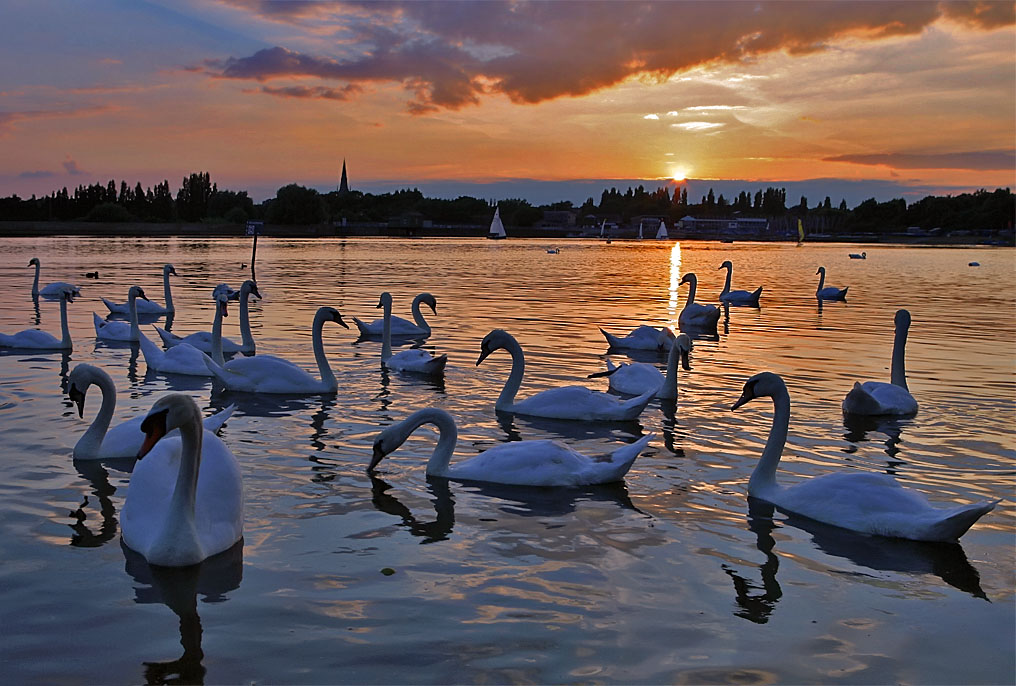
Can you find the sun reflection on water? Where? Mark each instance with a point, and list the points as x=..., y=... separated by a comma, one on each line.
x=675, y=279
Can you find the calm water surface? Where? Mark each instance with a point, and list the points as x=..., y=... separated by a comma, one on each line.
x=666, y=578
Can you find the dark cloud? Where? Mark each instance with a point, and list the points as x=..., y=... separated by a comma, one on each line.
x=71, y=167
x=979, y=160
x=36, y=175
x=449, y=54
x=312, y=92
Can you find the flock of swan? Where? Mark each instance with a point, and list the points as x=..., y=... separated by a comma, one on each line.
x=185, y=500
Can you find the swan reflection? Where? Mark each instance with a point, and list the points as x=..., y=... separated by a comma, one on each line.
x=96, y=474
x=672, y=437
x=859, y=426
x=432, y=531
x=577, y=431
x=178, y=589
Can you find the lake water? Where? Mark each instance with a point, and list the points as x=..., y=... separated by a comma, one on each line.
x=666, y=578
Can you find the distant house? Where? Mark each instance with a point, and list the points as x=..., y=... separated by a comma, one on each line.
x=559, y=219
x=734, y=227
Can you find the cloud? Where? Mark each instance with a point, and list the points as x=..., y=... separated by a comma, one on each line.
x=36, y=174
x=312, y=92
x=450, y=54
x=979, y=160
x=8, y=120
x=71, y=167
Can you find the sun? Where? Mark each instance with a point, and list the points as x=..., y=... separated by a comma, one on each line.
x=679, y=174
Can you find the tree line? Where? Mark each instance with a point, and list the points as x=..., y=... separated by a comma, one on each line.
x=198, y=199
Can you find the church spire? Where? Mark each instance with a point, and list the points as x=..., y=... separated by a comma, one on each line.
x=343, y=184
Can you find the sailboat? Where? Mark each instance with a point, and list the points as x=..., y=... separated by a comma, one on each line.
x=496, y=227
x=640, y=231
x=800, y=232
x=661, y=234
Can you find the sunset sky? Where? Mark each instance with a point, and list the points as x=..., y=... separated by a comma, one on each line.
x=880, y=99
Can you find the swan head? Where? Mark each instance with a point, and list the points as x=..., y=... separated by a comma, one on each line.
x=902, y=319
x=683, y=343
x=169, y=269
x=821, y=270
x=428, y=300
x=250, y=287
x=169, y=412
x=387, y=442
x=386, y=297
x=331, y=314
x=136, y=292
x=495, y=340
x=727, y=264
x=77, y=385
x=689, y=278
x=222, y=301
x=759, y=386
x=34, y=261
x=225, y=288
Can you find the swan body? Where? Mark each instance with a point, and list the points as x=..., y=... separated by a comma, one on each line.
x=147, y=306
x=117, y=330
x=730, y=297
x=878, y=397
x=824, y=292
x=51, y=290
x=270, y=374
x=413, y=360
x=123, y=440
x=518, y=463
x=35, y=339
x=418, y=328
x=643, y=337
x=202, y=340
x=864, y=502
x=568, y=402
x=180, y=359
x=856, y=256
x=636, y=378
x=185, y=498
x=695, y=316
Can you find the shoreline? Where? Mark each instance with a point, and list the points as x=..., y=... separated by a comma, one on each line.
x=23, y=229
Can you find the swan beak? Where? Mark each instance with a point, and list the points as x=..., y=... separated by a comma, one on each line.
x=377, y=457
x=255, y=292
x=225, y=309
x=608, y=372
x=141, y=294
x=338, y=320
x=483, y=356
x=741, y=401
x=685, y=361
x=78, y=398
x=154, y=427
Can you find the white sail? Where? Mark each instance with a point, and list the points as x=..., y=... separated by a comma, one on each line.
x=496, y=227
x=661, y=235
x=640, y=231
x=602, y=227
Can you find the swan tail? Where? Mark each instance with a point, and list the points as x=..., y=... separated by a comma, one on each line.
x=956, y=524
x=860, y=401
x=624, y=457
x=99, y=322
x=214, y=422
x=150, y=351
x=217, y=371
x=437, y=365
x=168, y=339
x=110, y=305
x=364, y=329
x=843, y=293
x=612, y=340
x=756, y=294
x=634, y=406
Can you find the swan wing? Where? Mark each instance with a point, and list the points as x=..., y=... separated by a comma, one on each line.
x=416, y=360
x=879, y=398
x=583, y=404
x=265, y=374
x=400, y=327
x=31, y=338
x=636, y=378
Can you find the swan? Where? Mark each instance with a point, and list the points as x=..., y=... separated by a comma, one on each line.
x=147, y=306
x=878, y=397
x=868, y=503
x=42, y=340
x=696, y=316
x=185, y=498
x=413, y=360
x=123, y=440
x=180, y=359
x=121, y=331
x=568, y=402
x=51, y=290
x=202, y=340
x=855, y=256
x=737, y=297
x=829, y=292
x=638, y=377
x=269, y=374
x=644, y=337
x=518, y=463
x=402, y=327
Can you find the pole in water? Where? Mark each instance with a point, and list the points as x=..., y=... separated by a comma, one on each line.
x=253, y=229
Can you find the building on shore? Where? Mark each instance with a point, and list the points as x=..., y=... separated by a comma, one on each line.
x=344, y=182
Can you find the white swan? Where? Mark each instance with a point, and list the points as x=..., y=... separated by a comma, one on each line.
x=737, y=297
x=568, y=402
x=269, y=374
x=402, y=327
x=636, y=378
x=51, y=290
x=824, y=292
x=185, y=498
x=42, y=340
x=148, y=306
x=864, y=502
x=644, y=337
x=117, y=330
x=202, y=340
x=856, y=256
x=878, y=397
x=123, y=440
x=413, y=360
x=180, y=359
x=519, y=463
x=695, y=316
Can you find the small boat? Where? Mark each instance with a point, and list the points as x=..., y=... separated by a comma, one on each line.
x=800, y=232
x=496, y=227
x=858, y=256
x=553, y=251
x=661, y=234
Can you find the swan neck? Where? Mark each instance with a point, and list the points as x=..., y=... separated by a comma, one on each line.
x=180, y=533
x=448, y=436
x=764, y=477
x=90, y=442
x=65, y=331
x=247, y=337
x=167, y=292
x=821, y=281
x=668, y=390
x=418, y=315
x=692, y=287
x=898, y=371
x=514, y=381
x=35, y=284
x=132, y=310
x=386, y=331
x=726, y=284
x=217, y=356
x=327, y=377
